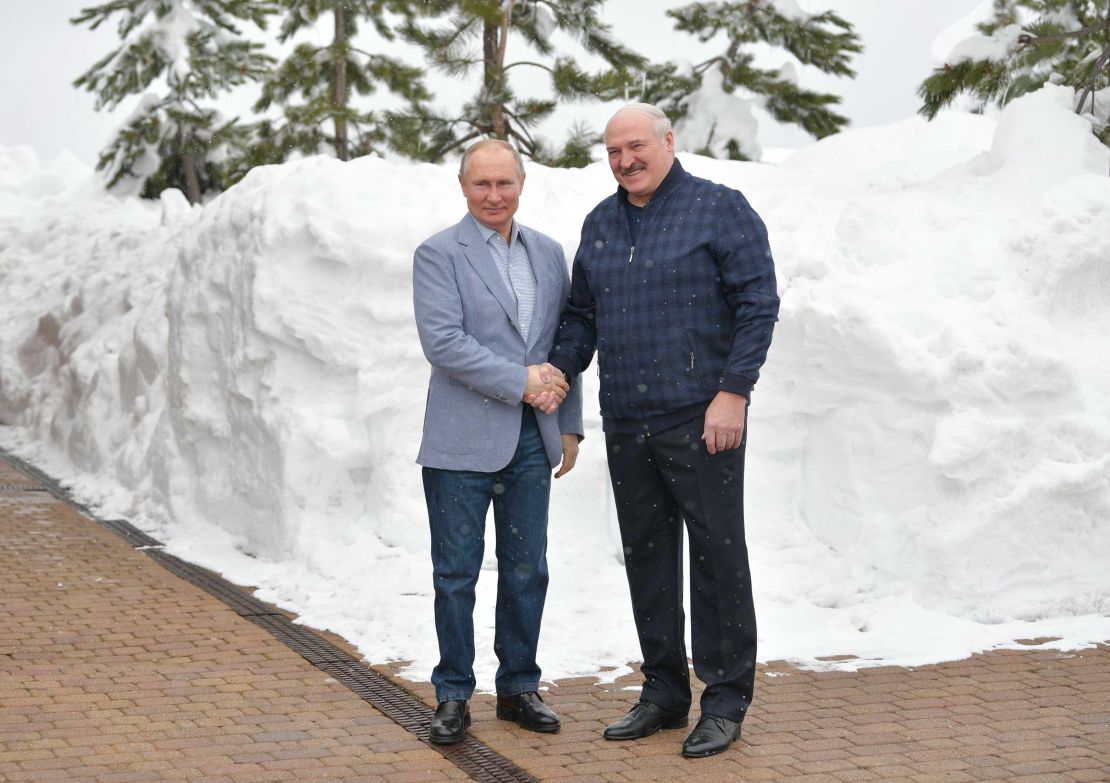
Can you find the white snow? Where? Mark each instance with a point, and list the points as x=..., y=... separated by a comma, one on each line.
x=790, y=9
x=545, y=21
x=995, y=47
x=714, y=117
x=966, y=27
x=929, y=445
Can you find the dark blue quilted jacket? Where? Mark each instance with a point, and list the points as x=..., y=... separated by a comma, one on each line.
x=686, y=312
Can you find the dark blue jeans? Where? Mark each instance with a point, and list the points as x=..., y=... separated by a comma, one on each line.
x=457, y=504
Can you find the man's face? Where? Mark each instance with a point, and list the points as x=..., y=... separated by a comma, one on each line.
x=638, y=159
x=492, y=188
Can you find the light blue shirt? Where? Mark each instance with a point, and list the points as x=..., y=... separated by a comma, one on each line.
x=515, y=268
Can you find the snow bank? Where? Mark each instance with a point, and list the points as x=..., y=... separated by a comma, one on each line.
x=929, y=446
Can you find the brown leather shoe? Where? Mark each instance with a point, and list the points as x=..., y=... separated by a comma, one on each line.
x=528, y=711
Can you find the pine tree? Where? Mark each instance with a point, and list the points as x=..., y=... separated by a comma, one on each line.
x=323, y=78
x=476, y=37
x=711, y=102
x=1025, y=44
x=172, y=140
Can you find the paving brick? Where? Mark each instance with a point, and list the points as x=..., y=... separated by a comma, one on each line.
x=142, y=676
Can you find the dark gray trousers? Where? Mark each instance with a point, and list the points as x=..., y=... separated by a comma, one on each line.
x=659, y=482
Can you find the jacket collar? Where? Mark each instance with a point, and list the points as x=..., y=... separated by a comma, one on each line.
x=471, y=232
x=670, y=182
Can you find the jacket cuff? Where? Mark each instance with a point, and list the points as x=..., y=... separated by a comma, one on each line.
x=565, y=365
x=737, y=384
x=515, y=395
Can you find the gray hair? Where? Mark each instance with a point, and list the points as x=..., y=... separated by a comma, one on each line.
x=483, y=144
x=659, y=122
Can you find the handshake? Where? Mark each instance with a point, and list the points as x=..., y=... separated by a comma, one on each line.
x=546, y=387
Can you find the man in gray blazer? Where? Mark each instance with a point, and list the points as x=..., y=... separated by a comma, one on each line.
x=488, y=293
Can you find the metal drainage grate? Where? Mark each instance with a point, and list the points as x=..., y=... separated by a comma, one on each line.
x=243, y=604
x=134, y=536
x=308, y=645
x=478, y=761
x=470, y=755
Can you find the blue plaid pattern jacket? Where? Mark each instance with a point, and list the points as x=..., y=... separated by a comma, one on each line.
x=684, y=313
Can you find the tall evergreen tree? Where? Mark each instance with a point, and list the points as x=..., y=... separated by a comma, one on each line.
x=323, y=78
x=1024, y=44
x=476, y=36
x=711, y=102
x=172, y=140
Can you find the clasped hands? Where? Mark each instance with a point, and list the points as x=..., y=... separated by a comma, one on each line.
x=546, y=387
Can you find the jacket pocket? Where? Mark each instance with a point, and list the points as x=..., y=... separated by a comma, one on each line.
x=456, y=420
x=691, y=363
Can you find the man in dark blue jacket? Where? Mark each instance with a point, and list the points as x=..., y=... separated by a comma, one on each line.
x=674, y=286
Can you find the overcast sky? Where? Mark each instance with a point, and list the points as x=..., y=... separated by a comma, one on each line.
x=41, y=54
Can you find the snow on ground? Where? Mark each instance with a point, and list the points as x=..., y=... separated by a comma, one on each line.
x=929, y=446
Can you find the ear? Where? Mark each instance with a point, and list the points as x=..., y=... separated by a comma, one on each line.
x=669, y=142
x=521, y=188
x=462, y=185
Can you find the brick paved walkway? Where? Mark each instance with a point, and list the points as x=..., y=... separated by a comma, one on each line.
x=113, y=669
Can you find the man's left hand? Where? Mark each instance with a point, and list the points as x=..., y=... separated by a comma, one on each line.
x=724, y=422
x=570, y=454
x=548, y=401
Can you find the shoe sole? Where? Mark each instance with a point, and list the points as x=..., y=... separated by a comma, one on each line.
x=677, y=723
x=453, y=739
x=506, y=714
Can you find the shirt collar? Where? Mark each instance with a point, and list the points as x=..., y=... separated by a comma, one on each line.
x=669, y=183
x=488, y=232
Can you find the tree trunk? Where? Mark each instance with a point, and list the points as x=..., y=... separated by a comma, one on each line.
x=339, y=95
x=493, y=74
x=189, y=172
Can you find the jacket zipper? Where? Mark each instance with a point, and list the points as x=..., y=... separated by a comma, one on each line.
x=627, y=299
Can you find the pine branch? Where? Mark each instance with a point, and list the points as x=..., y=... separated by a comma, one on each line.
x=1027, y=39
x=1091, y=84
x=541, y=66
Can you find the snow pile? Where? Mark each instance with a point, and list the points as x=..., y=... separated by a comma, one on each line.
x=714, y=117
x=929, y=446
x=996, y=47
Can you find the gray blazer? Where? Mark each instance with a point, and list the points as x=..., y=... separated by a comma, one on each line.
x=466, y=319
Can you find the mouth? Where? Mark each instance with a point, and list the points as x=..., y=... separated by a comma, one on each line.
x=632, y=171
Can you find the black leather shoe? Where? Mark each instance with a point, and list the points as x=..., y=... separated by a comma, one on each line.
x=643, y=719
x=449, y=724
x=528, y=711
x=711, y=736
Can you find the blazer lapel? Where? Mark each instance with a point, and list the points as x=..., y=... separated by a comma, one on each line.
x=478, y=255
